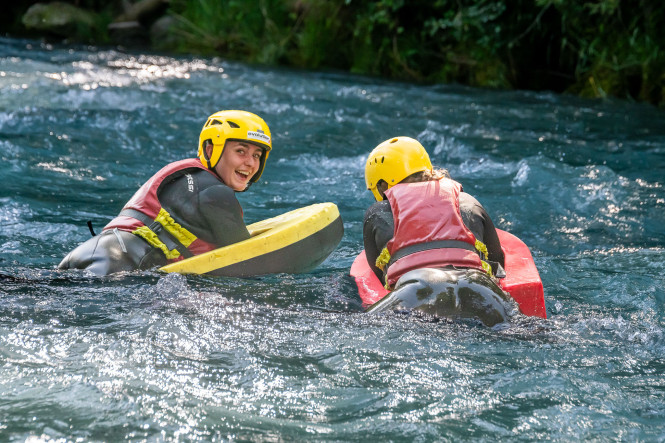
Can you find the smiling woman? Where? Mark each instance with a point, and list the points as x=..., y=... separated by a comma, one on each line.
x=188, y=207
x=240, y=161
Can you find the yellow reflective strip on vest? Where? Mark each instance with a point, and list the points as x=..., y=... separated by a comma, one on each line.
x=383, y=259
x=486, y=267
x=480, y=246
x=146, y=234
x=175, y=229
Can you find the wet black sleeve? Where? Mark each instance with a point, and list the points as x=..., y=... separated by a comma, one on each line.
x=479, y=222
x=222, y=213
x=205, y=206
x=378, y=229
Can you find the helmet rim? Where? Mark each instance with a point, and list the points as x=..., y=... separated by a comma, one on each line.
x=233, y=125
x=394, y=160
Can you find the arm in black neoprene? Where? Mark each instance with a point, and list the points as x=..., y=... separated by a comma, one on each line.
x=378, y=229
x=222, y=212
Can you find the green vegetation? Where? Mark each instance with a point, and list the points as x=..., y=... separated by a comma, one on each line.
x=594, y=48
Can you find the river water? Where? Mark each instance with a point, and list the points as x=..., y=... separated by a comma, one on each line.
x=160, y=357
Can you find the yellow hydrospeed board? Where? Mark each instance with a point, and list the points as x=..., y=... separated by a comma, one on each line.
x=293, y=242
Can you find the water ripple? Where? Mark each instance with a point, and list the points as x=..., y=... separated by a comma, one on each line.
x=146, y=356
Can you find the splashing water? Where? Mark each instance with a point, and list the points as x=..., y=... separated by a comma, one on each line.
x=148, y=356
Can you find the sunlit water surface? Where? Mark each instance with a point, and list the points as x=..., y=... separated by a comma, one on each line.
x=149, y=356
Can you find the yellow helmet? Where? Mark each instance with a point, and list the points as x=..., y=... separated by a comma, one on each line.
x=234, y=125
x=393, y=161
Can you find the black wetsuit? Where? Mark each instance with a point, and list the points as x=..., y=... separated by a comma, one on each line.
x=198, y=201
x=450, y=292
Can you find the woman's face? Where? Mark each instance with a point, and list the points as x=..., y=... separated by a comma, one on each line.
x=240, y=161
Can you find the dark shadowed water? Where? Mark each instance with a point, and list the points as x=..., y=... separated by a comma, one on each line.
x=293, y=357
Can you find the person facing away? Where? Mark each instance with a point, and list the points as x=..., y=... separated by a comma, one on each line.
x=188, y=207
x=433, y=245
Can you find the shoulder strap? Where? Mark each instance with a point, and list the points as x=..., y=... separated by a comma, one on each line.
x=165, y=236
x=438, y=244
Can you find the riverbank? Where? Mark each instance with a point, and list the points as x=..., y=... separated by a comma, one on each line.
x=592, y=49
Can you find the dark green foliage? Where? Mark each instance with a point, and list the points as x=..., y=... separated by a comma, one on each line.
x=614, y=47
x=11, y=21
x=594, y=48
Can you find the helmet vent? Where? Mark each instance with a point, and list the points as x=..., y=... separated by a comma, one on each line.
x=232, y=124
x=382, y=159
x=216, y=122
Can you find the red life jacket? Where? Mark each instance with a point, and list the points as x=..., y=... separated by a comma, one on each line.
x=429, y=231
x=144, y=216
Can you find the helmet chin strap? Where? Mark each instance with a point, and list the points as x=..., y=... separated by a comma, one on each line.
x=205, y=153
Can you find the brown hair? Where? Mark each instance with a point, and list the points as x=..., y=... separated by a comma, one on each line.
x=416, y=177
x=425, y=176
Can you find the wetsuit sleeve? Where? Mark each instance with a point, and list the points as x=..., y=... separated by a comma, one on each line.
x=221, y=211
x=479, y=222
x=378, y=229
x=205, y=206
